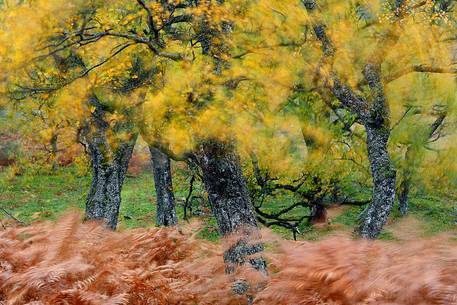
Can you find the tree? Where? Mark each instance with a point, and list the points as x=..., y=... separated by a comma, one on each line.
x=144, y=75
x=366, y=98
x=46, y=122
x=413, y=157
x=161, y=166
x=230, y=202
x=109, y=162
x=148, y=32
x=220, y=73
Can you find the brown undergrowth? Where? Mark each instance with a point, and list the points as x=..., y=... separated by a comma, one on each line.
x=72, y=263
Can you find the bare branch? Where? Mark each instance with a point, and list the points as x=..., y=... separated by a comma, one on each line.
x=151, y=25
x=34, y=90
x=436, y=127
x=419, y=69
x=402, y=117
x=177, y=19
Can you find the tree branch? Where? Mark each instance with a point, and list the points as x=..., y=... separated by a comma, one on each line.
x=152, y=28
x=34, y=90
x=437, y=125
x=342, y=92
x=421, y=69
x=402, y=117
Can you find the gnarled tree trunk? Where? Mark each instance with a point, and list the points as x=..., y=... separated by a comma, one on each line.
x=384, y=177
x=166, y=211
x=230, y=203
x=373, y=112
x=318, y=214
x=109, y=164
x=104, y=199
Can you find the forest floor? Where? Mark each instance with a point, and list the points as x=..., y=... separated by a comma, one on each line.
x=70, y=262
x=48, y=261
x=46, y=197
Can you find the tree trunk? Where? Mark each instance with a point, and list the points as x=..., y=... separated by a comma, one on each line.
x=403, y=192
x=318, y=214
x=54, y=150
x=373, y=111
x=384, y=177
x=108, y=174
x=166, y=212
x=230, y=203
x=403, y=196
x=109, y=164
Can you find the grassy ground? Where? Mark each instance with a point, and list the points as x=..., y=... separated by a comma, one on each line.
x=44, y=197
x=428, y=216
x=40, y=197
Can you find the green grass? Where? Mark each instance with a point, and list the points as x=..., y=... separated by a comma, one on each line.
x=41, y=197
x=138, y=202
x=44, y=197
x=209, y=231
x=387, y=235
x=350, y=217
x=315, y=234
x=438, y=215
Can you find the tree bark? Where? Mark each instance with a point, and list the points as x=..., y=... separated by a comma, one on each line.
x=104, y=199
x=373, y=112
x=384, y=179
x=166, y=211
x=403, y=192
x=109, y=164
x=318, y=214
x=54, y=150
x=403, y=196
x=230, y=203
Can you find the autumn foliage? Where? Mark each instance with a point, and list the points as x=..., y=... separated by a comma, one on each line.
x=73, y=263
x=341, y=271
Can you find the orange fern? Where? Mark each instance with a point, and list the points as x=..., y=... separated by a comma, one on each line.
x=72, y=263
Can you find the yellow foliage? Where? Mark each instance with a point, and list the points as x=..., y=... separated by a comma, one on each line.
x=257, y=54
x=81, y=165
x=179, y=137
